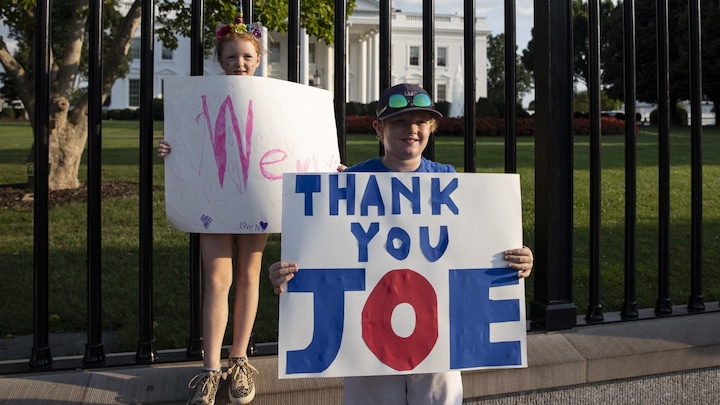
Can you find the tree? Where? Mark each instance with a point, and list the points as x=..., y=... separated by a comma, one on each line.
x=68, y=132
x=496, y=75
x=317, y=16
x=581, y=39
x=581, y=102
x=646, y=53
x=710, y=44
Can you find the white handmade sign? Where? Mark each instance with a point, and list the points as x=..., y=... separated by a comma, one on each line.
x=232, y=138
x=400, y=273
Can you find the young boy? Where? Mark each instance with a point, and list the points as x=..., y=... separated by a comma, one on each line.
x=405, y=119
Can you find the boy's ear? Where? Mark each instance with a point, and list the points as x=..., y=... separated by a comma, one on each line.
x=378, y=126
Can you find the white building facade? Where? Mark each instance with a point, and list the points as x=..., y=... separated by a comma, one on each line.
x=317, y=58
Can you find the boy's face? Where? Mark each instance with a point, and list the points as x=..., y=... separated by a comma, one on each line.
x=405, y=135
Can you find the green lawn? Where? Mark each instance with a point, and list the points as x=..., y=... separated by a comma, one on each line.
x=120, y=258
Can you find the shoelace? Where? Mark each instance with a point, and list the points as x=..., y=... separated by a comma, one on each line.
x=246, y=367
x=203, y=378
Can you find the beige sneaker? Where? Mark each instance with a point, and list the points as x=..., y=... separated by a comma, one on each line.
x=241, y=385
x=205, y=385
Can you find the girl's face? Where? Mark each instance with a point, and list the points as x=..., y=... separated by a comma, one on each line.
x=239, y=58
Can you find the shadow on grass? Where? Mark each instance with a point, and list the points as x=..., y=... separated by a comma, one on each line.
x=67, y=307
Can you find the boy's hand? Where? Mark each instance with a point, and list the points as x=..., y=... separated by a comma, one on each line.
x=521, y=260
x=280, y=274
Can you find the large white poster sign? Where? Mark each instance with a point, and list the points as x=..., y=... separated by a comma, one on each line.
x=232, y=138
x=400, y=273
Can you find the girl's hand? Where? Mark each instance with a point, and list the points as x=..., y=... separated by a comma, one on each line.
x=521, y=260
x=163, y=149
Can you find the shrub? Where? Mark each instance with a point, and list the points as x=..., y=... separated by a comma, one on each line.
x=680, y=116
x=129, y=114
x=608, y=126
x=490, y=126
x=158, y=109
x=7, y=113
x=443, y=108
x=114, y=114
x=355, y=108
x=359, y=124
x=451, y=126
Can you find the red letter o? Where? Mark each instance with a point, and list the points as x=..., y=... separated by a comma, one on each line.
x=394, y=288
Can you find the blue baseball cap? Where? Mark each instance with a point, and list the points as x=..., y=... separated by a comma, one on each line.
x=402, y=98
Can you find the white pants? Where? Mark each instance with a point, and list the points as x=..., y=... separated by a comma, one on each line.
x=413, y=389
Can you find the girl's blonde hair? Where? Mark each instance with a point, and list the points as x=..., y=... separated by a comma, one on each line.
x=234, y=36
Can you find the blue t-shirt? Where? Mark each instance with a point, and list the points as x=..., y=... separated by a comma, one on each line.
x=376, y=165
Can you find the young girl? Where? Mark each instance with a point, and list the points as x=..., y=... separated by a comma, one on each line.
x=238, y=53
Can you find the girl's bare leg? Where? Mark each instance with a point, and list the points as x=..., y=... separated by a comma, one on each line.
x=247, y=284
x=217, y=252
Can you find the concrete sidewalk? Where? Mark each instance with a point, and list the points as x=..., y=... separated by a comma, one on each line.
x=674, y=360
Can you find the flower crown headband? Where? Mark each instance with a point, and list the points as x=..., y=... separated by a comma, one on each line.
x=239, y=27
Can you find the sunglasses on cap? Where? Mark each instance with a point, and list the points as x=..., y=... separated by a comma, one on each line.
x=418, y=100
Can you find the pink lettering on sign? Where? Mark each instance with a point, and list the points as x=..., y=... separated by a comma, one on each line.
x=271, y=157
x=272, y=162
x=218, y=137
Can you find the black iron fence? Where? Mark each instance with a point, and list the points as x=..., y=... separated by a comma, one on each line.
x=552, y=306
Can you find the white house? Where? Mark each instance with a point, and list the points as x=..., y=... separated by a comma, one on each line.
x=317, y=58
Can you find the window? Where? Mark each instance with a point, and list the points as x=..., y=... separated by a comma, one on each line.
x=274, y=52
x=441, y=92
x=135, y=48
x=166, y=54
x=311, y=53
x=134, y=92
x=414, y=56
x=442, y=56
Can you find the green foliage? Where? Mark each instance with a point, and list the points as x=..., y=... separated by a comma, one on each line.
x=158, y=109
x=357, y=108
x=443, y=107
x=7, y=113
x=316, y=16
x=612, y=45
x=581, y=102
x=496, y=71
x=8, y=90
x=488, y=108
x=678, y=116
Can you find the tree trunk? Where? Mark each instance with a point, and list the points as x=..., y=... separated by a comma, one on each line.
x=67, y=137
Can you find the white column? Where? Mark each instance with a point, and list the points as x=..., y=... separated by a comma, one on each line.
x=347, y=63
x=375, y=67
x=330, y=76
x=370, y=67
x=263, y=71
x=304, y=52
x=363, y=70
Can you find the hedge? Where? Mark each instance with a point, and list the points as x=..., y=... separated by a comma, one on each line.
x=489, y=126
